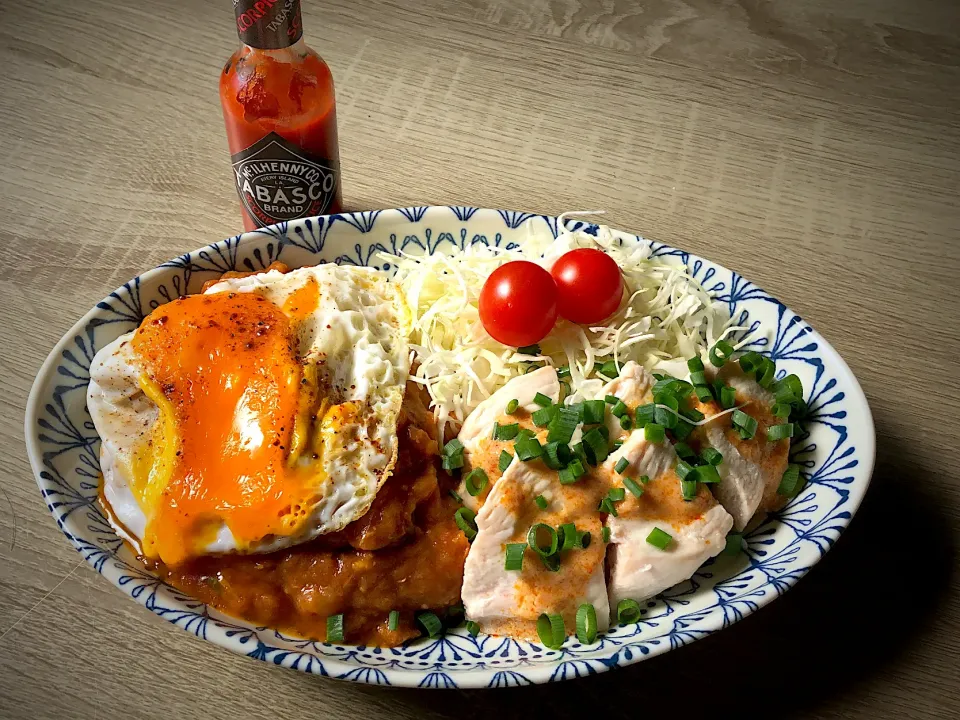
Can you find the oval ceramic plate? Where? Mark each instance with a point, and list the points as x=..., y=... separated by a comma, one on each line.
x=835, y=449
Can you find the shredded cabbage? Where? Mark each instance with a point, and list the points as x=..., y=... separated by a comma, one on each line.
x=667, y=317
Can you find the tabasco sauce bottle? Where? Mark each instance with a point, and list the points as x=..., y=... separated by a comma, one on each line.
x=279, y=108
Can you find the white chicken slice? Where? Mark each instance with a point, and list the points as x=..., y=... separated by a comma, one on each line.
x=633, y=387
x=477, y=432
x=637, y=569
x=509, y=602
x=751, y=469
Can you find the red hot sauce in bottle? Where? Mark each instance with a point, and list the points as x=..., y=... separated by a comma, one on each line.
x=280, y=111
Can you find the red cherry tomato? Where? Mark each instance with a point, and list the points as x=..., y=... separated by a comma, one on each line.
x=518, y=303
x=589, y=286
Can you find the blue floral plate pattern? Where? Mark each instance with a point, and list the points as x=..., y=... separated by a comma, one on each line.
x=835, y=449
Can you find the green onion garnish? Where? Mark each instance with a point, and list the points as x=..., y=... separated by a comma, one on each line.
x=542, y=400
x=541, y=502
x=551, y=631
x=561, y=426
x=665, y=386
x=586, y=624
x=556, y=455
x=628, y=611
x=473, y=628
x=475, y=481
x=625, y=422
x=335, y=628
x=512, y=406
x=708, y=474
x=563, y=371
x=645, y=414
x=393, y=621
x=745, y=424
x=605, y=534
x=780, y=432
x=712, y=456
x=703, y=393
x=609, y=368
x=453, y=447
x=596, y=446
x=611, y=399
x=551, y=562
x=688, y=489
x=505, y=432
x=659, y=539
x=572, y=472
x=728, y=397
x=734, y=544
x=514, y=556
x=654, y=433
x=631, y=485
x=583, y=540
x=751, y=361
x=452, y=462
x=616, y=445
x=692, y=414
x=543, y=416
x=542, y=531
x=682, y=431
x=644, y=479
x=782, y=410
x=695, y=364
x=699, y=378
x=620, y=409
x=466, y=520
x=684, y=469
x=568, y=536
x=504, y=462
x=529, y=349
x=789, y=389
x=617, y=494
x=455, y=495
x=684, y=451
x=430, y=623
x=528, y=448
x=622, y=464
x=767, y=373
x=667, y=416
x=791, y=482
x=720, y=353
x=607, y=506
x=578, y=407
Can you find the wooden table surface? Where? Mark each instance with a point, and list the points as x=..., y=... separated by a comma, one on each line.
x=814, y=145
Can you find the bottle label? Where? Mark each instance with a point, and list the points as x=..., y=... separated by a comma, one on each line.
x=268, y=24
x=278, y=181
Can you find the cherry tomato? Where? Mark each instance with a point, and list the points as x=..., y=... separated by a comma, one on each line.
x=589, y=286
x=518, y=303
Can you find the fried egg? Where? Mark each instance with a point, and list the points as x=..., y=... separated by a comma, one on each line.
x=252, y=417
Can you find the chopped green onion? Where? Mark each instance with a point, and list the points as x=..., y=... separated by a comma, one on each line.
x=562, y=425
x=782, y=410
x=454, y=447
x=534, y=535
x=473, y=628
x=593, y=412
x=603, y=430
x=745, y=424
x=684, y=451
x=620, y=409
x=529, y=349
x=720, y=353
x=611, y=399
x=688, y=489
x=703, y=393
x=505, y=432
x=551, y=631
x=644, y=479
x=664, y=386
x=617, y=494
x=542, y=400
x=610, y=369
x=734, y=544
x=596, y=446
x=616, y=445
x=645, y=414
x=682, y=389
x=580, y=453
x=791, y=482
x=692, y=414
x=475, y=481
x=513, y=559
x=625, y=422
x=682, y=431
x=605, y=534
x=695, y=364
x=335, y=628
x=583, y=540
x=563, y=371
x=607, y=506
x=659, y=539
x=430, y=623
x=708, y=474
x=551, y=562
x=685, y=469
x=788, y=389
x=505, y=459
x=393, y=621
x=565, y=391
x=512, y=406
x=572, y=472
x=567, y=533
x=586, y=624
x=578, y=408
x=452, y=462
x=541, y=502
x=780, y=432
x=543, y=416
x=699, y=378
x=466, y=520
x=654, y=433
x=455, y=495
x=528, y=448
x=767, y=373
x=622, y=464
x=525, y=433
x=728, y=397
x=712, y=456
x=751, y=362
x=628, y=611
x=666, y=412
x=556, y=455
x=631, y=485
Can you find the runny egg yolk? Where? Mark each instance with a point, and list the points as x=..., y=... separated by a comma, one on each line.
x=228, y=375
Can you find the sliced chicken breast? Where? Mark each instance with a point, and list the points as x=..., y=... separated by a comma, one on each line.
x=477, y=431
x=751, y=469
x=633, y=387
x=509, y=602
x=637, y=569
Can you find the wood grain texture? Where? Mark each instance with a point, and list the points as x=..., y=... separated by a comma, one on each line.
x=812, y=145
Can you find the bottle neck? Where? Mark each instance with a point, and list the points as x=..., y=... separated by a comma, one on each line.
x=268, y=24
